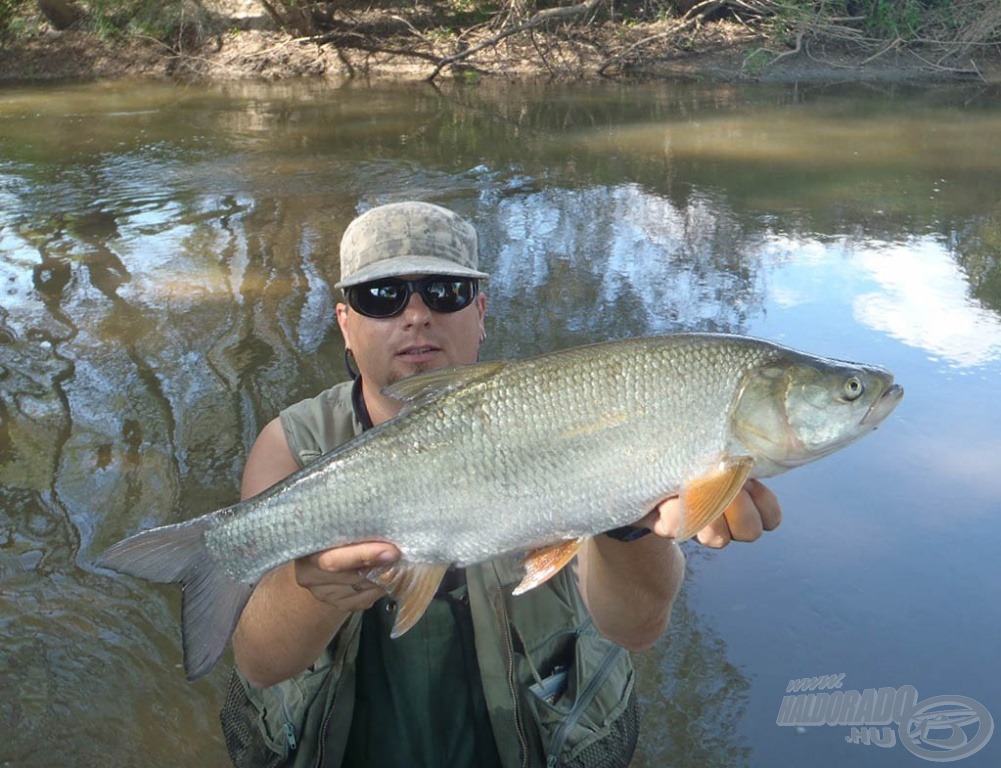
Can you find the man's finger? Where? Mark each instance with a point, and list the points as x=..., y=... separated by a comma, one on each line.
x=716, y=535
x=743, y=519
x=667, y=520
x=344, y=597
x=355, y=557
x=769, y=509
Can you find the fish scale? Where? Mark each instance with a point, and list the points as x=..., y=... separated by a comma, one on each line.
x=530, y=456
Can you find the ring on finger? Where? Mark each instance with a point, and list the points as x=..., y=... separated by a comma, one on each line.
x=358, y=586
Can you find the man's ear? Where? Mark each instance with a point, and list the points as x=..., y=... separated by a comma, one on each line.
x=481, y=306
x=342, y=321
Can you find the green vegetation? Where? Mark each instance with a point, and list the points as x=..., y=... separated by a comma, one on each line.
x=169, y=21
x=889, y=19
x=11, y=17
x=947, y=35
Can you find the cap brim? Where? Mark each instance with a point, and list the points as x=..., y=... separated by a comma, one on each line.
x=409, y=265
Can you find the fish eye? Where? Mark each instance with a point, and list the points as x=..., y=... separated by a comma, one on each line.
x=852, y=389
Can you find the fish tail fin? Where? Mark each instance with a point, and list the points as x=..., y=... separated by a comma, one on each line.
x=212, y=600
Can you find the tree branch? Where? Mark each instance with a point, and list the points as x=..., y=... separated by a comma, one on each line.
x=694, y=16
x=565, y=14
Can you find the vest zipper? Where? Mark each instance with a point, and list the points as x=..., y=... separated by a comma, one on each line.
x=511, y=682
x=323, y=737
x=554, y=759
x=321, y=753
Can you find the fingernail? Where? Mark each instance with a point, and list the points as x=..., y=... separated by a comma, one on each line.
x=385, y=557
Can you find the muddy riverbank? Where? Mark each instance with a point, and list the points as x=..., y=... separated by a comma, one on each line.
x=239, y=42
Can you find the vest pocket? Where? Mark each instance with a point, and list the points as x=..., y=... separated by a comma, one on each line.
x=586, y=709
x=263, y=727
x=240, y=726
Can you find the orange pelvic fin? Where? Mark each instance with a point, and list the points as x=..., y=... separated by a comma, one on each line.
x=544, y=563
x=706, y=497
x=412, y=585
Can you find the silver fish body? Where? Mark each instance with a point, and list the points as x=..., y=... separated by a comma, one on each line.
x=499, y=458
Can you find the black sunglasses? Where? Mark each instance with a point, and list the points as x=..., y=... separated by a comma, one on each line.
x=389, y=297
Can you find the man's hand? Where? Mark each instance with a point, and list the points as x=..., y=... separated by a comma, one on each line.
x=754, y=510
x=337, y=576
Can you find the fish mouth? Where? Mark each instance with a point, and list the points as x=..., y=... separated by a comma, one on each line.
x=883, y=407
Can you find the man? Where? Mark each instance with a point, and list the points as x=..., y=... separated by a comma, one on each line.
x=458, y=688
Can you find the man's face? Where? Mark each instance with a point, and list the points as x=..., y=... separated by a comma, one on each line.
x=418, y=339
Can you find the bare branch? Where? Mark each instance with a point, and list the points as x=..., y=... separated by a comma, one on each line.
x=548, y=16
x=693, y=18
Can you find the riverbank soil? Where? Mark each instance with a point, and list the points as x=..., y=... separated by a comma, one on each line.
x=237, y=39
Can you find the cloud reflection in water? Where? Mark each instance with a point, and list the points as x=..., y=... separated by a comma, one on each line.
x=925, y=303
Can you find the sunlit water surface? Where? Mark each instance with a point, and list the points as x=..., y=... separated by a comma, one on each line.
x=167, y=257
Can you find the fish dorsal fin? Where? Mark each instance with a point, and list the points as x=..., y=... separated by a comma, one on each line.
x=413, y=586
x=705, y=497
x=544, y=563
x=425, y=387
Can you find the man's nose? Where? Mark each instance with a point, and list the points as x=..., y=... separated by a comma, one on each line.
x=416, y=312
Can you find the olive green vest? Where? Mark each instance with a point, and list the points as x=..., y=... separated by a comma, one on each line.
x=557, y=692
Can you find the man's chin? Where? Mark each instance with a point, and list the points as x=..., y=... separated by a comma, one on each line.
x=405, y=371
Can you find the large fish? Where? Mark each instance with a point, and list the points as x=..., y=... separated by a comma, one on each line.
x=531, y=456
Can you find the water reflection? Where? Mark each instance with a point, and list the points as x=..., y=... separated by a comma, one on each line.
x=914, y=290
x=694, y=696
x=979, y=255
x=167, y=258
x=924, y=300
x=575, y=266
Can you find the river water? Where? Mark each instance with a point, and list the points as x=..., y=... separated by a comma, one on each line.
x=167, y=257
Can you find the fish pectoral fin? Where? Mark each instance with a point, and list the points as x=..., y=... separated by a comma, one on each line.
x=706, y=497
x=545, y=562
x=413, y=586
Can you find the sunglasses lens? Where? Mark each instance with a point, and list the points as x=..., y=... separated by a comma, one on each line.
x=448, y=294
x=384, y=298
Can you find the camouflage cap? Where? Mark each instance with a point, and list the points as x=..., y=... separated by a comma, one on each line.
x=410, y=238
